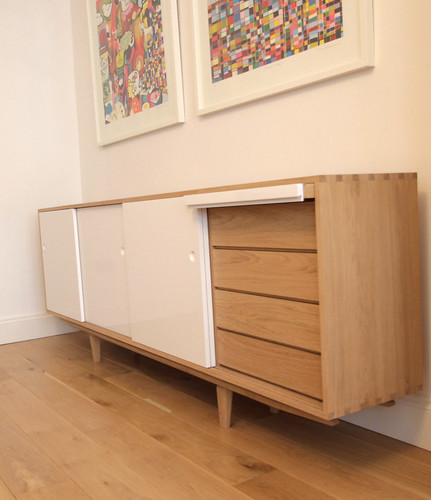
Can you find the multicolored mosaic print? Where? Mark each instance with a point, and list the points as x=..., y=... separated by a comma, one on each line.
x=131, y=56
x=248, y=34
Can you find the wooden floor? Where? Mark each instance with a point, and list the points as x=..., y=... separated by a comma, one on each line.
x=130, y=428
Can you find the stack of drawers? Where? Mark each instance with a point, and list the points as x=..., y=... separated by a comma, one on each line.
x=265, y=293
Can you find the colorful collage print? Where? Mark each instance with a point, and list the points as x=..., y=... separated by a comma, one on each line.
x=248, y=34
x=131, y=55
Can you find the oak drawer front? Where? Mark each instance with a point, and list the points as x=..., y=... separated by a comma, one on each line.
x=278, y=320
x=294, y=369
x=285, y=274
x=283, y=225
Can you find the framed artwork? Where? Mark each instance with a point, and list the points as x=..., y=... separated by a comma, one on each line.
x=248, y=49
x=136, y=66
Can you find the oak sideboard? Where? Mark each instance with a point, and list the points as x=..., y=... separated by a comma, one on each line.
x=303, y=294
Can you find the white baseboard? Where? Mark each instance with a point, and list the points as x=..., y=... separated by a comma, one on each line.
x=32, y=327
x=409, y=420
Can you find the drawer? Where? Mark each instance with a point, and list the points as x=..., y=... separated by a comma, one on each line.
x=291, y=368
x=283, y=225
x=278, y=320
x=284, y=274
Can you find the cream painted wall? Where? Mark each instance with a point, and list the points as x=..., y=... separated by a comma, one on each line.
x=39, y=153
x=377, y=120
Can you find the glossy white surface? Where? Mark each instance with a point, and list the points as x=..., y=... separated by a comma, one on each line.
x=253, y=196
x=168, y=293
x=60, y=253
x=103, y=267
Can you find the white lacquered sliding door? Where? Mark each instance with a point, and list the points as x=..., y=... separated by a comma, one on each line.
x=61, y=263
x=169, y=293
x=103, y=265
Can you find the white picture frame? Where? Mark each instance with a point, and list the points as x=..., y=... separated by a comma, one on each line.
x=353, y=51
x=120, y=51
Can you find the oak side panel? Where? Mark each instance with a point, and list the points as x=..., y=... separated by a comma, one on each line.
x=283, y=225
x=292, y=368
x=286, y=274
x=277, y=320
x=368, y=249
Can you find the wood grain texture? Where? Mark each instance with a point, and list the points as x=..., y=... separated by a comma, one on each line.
x=224, y=403
x=367, y=231
x=277, y=320
x=23, y=467
x=307, y=181
x=95, y=348
x=284, y=225
x=66, y=490
x=292, y=368
x=270, y=394
x=115, y=445
x=242, y=384
x=365, y=276
x=389, y=473
x=5, y=493
x=278, y=485
x=283, y=274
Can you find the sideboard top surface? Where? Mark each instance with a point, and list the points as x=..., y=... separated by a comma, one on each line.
x=309, y=184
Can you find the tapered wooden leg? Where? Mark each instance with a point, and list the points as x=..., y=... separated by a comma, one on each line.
x=224, y=401
x=95, y=348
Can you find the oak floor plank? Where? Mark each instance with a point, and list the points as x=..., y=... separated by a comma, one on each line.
x=198, y=446
x=385, y=442
x=129, y=382
x=103, y=480
x=3, y=375
x=186, y=396
x=56, y=356
x=27, y=410
x=121, y=403
x=165, y=376
x=161, y=472
x=78, y=456
x=279, y=486
x=124, y=437
x=5, y=493
x=84, y=413
x=321, y=472
x=130, y=427
x=181, y=404
x=70, y=449
x=394, y=468
x=59, y=440
x=67, y=490
x=12, y=361
x=23, y=467
x=176, y=476
x=226, y=461
x=230, y=464
x=68, y=446
x=134, y=383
